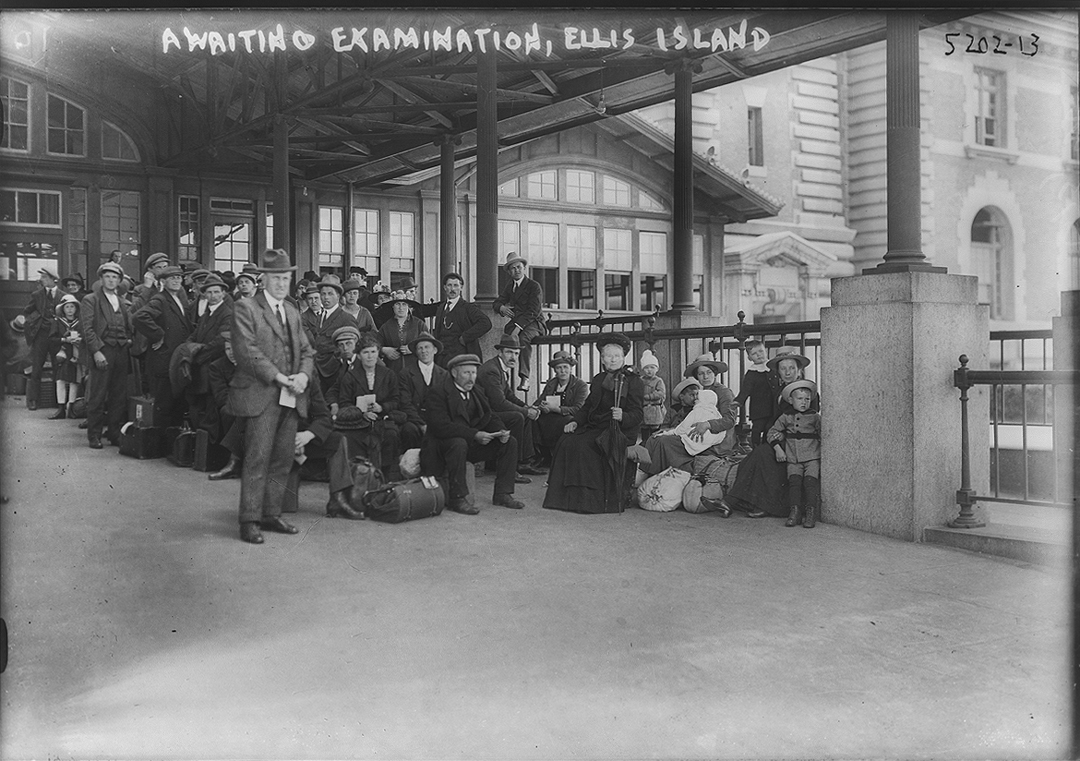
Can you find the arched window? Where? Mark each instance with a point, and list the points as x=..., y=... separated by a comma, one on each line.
x=991, y=249
x=1074, y=257
x=115, y=144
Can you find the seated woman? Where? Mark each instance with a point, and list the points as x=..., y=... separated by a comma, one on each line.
x=374, y=389
x=588, y=470
x=399, y=330
x=760, y=483
x=556, y=413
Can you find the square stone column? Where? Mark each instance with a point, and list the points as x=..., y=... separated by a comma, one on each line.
x=890, y=413
x=1066, y=412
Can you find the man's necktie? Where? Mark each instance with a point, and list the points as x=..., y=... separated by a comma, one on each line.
x=281, y=316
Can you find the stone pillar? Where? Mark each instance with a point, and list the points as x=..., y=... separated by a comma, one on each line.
x=1066, y=414
x=487, y=181
x=160, y=235
x=903, y=153
x=282, y=202
x=682, y=215
x=890, y=413
x=448, y=206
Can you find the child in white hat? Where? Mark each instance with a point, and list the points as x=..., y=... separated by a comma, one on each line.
x=800, y=433
x=655, y=394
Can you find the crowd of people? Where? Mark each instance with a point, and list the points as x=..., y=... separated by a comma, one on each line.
x=330, y=370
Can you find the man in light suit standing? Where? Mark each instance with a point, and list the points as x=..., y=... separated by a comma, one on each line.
x=274, y=364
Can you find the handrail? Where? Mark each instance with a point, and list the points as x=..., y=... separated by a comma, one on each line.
x=1020, y=335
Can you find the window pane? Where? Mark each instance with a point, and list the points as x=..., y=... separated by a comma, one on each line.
x=617, y=291
x=7, y=205
x=548, y=278
x=581, y=247
x=617, y=252
x=580, y=186
x=582, y=287
x=509, y=188
x=616, y=192
x=509, y=238
x=542, y=185
x=14, y=97
x=754, y=137
x=543, y=244
x=401, y=235
x=28, y=208
x=49, y=209
x=653, y=252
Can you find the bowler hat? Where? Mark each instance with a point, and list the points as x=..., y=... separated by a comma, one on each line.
x=463, y=359
x=346, y=331
x=619, y=339
x=331, y=281
x=788, y=353
x=112, y=267
x=276, y=260
x=683, y=385
x=425, y=337
x=513, y=257
x=785, y=393
x=67, y=298
x=562, y=358
x=350, y=418
x=211, y=281
x=170, y=271
x=156, y=259
x=718, y=366
x=508, y=341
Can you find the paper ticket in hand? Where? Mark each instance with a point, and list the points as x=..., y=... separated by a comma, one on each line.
x=287, y=398
x=364, y=401
x=554, y=401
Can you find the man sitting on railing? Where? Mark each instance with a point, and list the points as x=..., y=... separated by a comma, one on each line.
x=521, y=301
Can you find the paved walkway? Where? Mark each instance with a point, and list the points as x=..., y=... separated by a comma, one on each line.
x=141, y=627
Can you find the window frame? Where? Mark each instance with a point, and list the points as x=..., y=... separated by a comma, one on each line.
x=59, y=225
x=125, y=138
x=6, y=105
x=49, y=128
x=998, y=106
x=326, y=237
x=574, y=191
x=755, y=136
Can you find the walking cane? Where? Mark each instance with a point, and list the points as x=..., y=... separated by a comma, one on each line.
x=620, y=468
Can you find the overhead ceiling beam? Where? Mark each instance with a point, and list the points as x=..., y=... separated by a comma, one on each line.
x=403, y=92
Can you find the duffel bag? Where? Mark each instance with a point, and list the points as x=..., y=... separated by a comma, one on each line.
x=366, y=477
x=662, y=493
x=702, y=495
x=405, y=500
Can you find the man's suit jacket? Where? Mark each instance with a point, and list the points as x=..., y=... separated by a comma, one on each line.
x=210, y=332
x=161, y=318
x=499, y=394
x=527, y=301
x=193, y=305
x=326, y=360
x=40, y=313
x=413, y=390
x=261, y=348
x=447, y=417
x=460, y=329
x=94, y=318
x=354, y=383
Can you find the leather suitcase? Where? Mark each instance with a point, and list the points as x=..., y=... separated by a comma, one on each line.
x=182, y=453
x=141, y=411
x=208, y=455
x=142, y=443
x=405, y=500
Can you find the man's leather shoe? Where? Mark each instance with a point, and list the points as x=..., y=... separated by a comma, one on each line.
x=31, y=406
x=60, y=414
x=278, y=525
x=231, y=470
x=520, y=479
x=95, y=443
x=84, y=425
x=531, y=470
x=524, y=384
x=508, y=500
x=462, y=505
x=249, y=532
x=339, y=505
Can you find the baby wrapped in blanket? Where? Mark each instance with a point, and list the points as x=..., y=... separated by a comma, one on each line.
x=704, y=411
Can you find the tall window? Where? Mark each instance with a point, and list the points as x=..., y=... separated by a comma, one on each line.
x=331, y=236
x=115, y=144
x=699, y=270
x=618, y=262
x=543, y=258
x=30, y=207
x=119, y=220
x=190, y=231
x=581, y=263
x=616, y=192
x=580, y=186
x=366, y=241
x=754, y=137
x=67, y=127
x=992, y=254
x=541, y=185
x=15, y=100
x=653, y=252
x=990, y=116
x=402, y=246
x=509, y=238
x=268, y=227
x=77, y=222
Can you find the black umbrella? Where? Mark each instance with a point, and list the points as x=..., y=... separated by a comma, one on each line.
x=613, y=443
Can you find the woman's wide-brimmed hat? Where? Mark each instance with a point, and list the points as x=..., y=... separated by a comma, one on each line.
x=399, y=296
x=788, y=352
x=350, y=418
x=72, y=279
x=785, y=393
x=513, y=258
x=683, y=385
x=425, y=337
x=276, y=260
x=67, y=298
x=718, y=366
x=332, y=281
x=112, y=267
x=618, y=339
x=562, y=358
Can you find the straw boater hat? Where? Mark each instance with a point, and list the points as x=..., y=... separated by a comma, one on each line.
x=785, y=393
x=211, y=281
x=508, y=341
x=331, y=281
x=463, y=359
x=112, y=267
x=67, y=298
x=618, y=339
x=346, y=331
x=683, y=385
x=276, y=260
x=788, y=352
x=562, y=358
x=514, y=257
x=156, y=259
x=425, y=337
x=705, y=360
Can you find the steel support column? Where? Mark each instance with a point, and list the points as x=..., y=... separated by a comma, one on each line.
x=282, y=202
x=448, y=254
x=682, y=216
x=903, y=151
x=487, y=180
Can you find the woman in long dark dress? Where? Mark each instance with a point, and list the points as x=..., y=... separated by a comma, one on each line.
x=588, y=471
x=399, y=331
x=760, y=486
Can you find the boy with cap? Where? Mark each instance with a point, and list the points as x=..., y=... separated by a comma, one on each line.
x=800, y=433
x=105, y=325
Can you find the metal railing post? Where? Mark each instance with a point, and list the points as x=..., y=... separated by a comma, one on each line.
x=965, y=495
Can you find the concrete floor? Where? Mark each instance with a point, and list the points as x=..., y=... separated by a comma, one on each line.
x=141, y=627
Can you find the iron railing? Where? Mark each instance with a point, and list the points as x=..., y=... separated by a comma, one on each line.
x=1033, y=437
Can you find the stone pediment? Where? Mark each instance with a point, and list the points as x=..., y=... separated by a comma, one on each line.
x=782, y=249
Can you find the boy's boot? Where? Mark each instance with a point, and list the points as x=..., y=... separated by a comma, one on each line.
x=795, y=485
x=813, y=501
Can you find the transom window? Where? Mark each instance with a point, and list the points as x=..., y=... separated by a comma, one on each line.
x=616, y=192
x=580, y=186
x=990, y=114
x=509, y=188
x=115, y=144
x=647, y=202
x=542, y=185
x=67, y=127
x=15, y=99
x=30, y=207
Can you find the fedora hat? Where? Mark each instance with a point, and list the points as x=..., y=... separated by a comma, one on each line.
x=406, y=283
x=211, y=281
x=463, y=359
x=311, y=290
x=276, y=260
x=682, y=386
x=350, y=418
x=156, y=259
x=352, y=284
x=785, y=393
x=425, y=337
x=112, y=267
x=346, y=331
x=513, y=257
x=788, y=353
x=562, y=358
x=67, y=298
x=508, y=341
x=618, y=339
x=331, y=281
x=705, y=360
x=18, y=325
